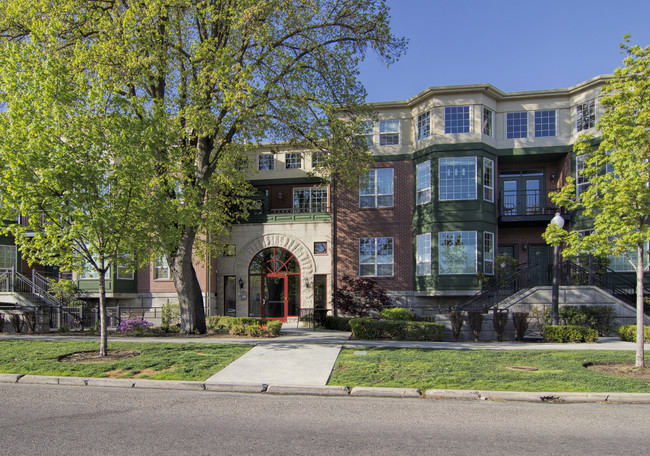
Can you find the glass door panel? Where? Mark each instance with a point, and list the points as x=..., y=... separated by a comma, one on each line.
x=274, y=293
x=510, y=197
x=532, y=196
x=293, y=296
x=255, y=284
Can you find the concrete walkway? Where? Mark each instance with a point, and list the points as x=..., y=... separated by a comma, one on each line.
x=299, y=357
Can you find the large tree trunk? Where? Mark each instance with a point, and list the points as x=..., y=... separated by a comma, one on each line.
x=187, y=285
x=640, y=362
x=103, y=336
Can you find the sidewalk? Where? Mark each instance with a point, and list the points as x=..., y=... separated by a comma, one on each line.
x=301, y=360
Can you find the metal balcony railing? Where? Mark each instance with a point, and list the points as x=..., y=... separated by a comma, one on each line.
x=527, y=203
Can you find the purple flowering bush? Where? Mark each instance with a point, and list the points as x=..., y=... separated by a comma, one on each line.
x=134, y=325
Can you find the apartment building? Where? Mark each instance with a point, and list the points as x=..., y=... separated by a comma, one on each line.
x=462, y=174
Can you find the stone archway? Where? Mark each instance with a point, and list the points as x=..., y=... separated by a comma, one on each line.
x=287, y=242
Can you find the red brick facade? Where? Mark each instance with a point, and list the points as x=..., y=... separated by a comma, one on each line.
x=353, y=223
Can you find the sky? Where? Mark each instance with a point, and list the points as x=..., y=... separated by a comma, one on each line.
x=515, y=45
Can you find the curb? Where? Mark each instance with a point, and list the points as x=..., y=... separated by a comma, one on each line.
x=333, y=391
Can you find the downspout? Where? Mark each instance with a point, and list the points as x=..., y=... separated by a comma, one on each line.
x=334, y=246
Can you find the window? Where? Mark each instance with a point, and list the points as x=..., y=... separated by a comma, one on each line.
x=582, y=181
x=320, y=291
x=230, y=295
x=586, y=115
x=457, y=177
x=488, y=121
x=89, y=272
x=317, y=159
x=367, y=127
x=423, y=182
x=457, y=119
x=376, y=257
x=424, y=125
x=423, y=255
x=266, y=162
x=377, y=188
x=124, y=268
x=457, y=252
x=488, y=253
x=545, y=123
x=310, y=200
x=320, y=248
x=488, y=180
x=516, y=125
x=293, y=160
x=388, y=132
x=160, y=268
x=7, y=257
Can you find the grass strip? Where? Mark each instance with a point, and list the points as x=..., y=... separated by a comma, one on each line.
x=160, y=361
x=482, y=370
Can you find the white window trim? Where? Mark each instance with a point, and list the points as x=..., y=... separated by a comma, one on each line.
x=286, y=160
x=485, y=187
x=491, y=134
x=398, y=132
x=580, y=187
x=392, y=274
x=476, y=246
x=487, y=260
x=423, y=259
x=417, y=126
x=15, y=255
x=161, y=260
x=428, y=188
x=375, y=194
x=475, y=180
x=575, y=125
x=311, y=209
x=272, y=162
x=505, y=125
x=470, y=119
x=535, y=123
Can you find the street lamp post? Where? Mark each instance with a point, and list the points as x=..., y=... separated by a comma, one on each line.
x=559, y=222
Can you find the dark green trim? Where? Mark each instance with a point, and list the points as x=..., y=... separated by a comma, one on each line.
x=288, y=181
x=455, y=148
x=550, y=150
x=391, y=158
x=289, y=218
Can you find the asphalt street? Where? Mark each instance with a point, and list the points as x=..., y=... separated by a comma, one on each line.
x=44, y=419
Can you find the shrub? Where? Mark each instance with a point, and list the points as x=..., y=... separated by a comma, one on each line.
x=600, y=318
x=171, y=315
x=2, y=322
x=520, y=320
x=475, y=320
x=398, y=313
x=359, y=296
x=457, y=319
x=368, y=328
x=627, y=333
x=134, y=325
x=499, y=322
x=569, y=333
x=337, y=323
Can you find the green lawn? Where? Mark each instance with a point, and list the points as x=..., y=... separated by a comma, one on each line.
x=482, y=370
x=162, y=361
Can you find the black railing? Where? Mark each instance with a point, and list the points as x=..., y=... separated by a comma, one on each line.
x=527, y=203
x=493, y=295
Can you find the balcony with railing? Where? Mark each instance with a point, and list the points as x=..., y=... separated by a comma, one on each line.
x=531, y=206
x=311, y=212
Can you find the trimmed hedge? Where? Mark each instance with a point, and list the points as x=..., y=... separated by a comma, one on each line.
x=245, y=326
x=627, y=333
x=569, y=333
x=369, y=328
x=337, y=323
x=398, y=313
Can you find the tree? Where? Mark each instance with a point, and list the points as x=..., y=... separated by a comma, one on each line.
x=360, y=296
x=225, y=75
x=617, y=166
x=71, y=162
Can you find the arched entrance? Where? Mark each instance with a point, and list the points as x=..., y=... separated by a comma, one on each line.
x=274, y=284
